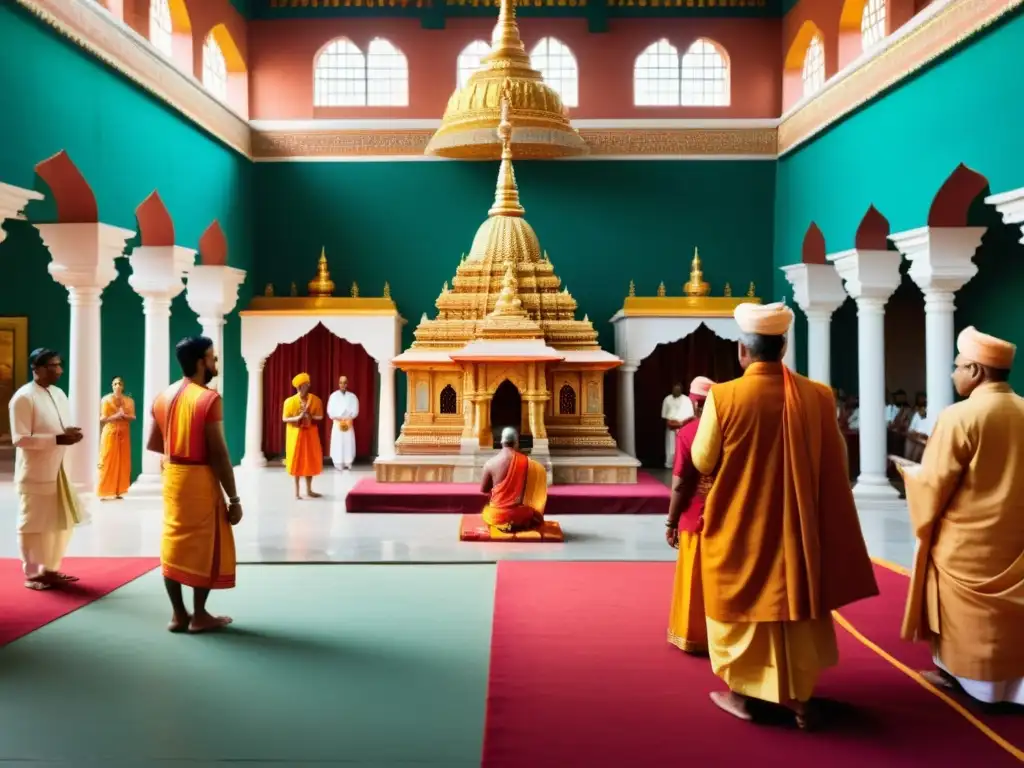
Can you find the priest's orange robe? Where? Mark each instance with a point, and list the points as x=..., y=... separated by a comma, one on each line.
x=967, y=509
x=518, y=501
x=782, y=545
x=198, y=545
x=304, y=455
x=115, y=467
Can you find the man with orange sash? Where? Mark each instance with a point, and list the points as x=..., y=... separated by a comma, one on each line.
x=687, y=628
x=781, y=546
x=518, y=486
x=966, y=502
x=304, y=455
x=198, y=546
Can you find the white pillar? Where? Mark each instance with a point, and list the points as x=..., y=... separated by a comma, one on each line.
x=819, y=346
x=82, y=260
x=213, y=329
x=12, y=202
x=254, y=415
x=789, y=354
x=1011, y=206
x=870, y=278
x=818, y=291
x=941, y=263
x=386, y=414
x=212, y=294
x=627, y=409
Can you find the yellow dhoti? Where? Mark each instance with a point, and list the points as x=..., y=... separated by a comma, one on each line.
x=518, y=501
x=687, y=627
x=777, y=661
x=198, y=547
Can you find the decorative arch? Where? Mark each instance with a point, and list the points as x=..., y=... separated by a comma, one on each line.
x=223, y=69
x=470, y=60
x=508, y=374
x=387, y=75
x=339, y=75
x=863, y=24
x=798, y=49
x=557, y=64
x=213, y=246
x=566, y=400
x=872, y=232
x=656, y=76
x=808, y=37
x=448, y=400
x=958, y=192
x=706, y=73
x=155, y=225
x=75, y=200
x=813, y=251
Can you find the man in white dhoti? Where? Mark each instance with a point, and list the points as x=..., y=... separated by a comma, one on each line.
x=676, y=409
x=342, y=409
x=49, y=507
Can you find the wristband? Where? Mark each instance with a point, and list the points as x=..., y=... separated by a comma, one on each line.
x=234, y=500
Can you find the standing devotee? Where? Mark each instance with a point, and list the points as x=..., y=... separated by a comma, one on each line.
x=687, y=627
x=117, y=412
x=48, y=504
x=675, y=409
x=304, y=456
x=967, y=590
x=342, y=409
x=781, y=546
x=198, y=545
x=518, y=487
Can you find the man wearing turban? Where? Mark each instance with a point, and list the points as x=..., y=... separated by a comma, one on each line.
x=687, y=628
x=304, y=455
x=781, y=546
x=967, y=590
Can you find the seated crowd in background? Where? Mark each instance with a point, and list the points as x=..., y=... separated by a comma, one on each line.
x=909, y=425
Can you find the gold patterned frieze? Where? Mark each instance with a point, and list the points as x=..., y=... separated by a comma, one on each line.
x=684, y=306
x=709, y=4
x=329, y=4
x=321, y=305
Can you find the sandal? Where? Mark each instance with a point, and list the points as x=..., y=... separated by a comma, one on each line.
x=63, y=578
x=37, y=585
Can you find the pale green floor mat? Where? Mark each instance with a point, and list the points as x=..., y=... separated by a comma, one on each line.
x=347, y=665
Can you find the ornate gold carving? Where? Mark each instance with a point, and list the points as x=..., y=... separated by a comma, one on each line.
x=632, y=289
x=387, y=290
x=661, y=288
x=354, y=290
x=697, y=285
x=326, y=4
x=751, y=291
x=727, y=292
x=321, y=285
x=269, y=290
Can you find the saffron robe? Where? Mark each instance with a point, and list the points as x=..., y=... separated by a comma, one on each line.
x=115, y=467
x=342, y=409
x=966, y=505
x=304, y=456
x=782, y=545
x=518, y=501
x=198, y=544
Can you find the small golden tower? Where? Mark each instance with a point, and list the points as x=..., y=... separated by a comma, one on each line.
x=387, y=290
x=294, y=290
x=269, y=290
x=661, y=289
x=321, y=285
x=632, y=288
x=751, y=291
x=696, y=286
x=728, y=291
x=354, y=291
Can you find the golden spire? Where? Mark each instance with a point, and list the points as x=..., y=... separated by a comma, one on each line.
x=728, y=291
x=294, y=290
x=321, y=285
x=354, y=291
x=632, y=288
x=506, y=193
x=506, y=44
x=269, y=290
x=661, y=288
x=387, y=290
x=509, y=302
x=751, y=291
x=696, y=286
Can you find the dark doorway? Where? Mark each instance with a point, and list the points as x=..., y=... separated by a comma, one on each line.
x=506, y=411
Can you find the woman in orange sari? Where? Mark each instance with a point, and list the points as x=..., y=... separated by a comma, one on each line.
x=117, y=412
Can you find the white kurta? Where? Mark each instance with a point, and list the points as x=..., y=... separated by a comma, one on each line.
x=342, y=405
x=923, y=425
x=45, y=521
x=674, y=409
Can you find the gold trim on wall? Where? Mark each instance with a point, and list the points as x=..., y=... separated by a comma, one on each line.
x=320, y=305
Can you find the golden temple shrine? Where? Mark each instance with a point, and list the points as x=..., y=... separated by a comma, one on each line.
x=505, y=349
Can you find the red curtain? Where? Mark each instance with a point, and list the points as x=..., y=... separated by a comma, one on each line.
x=324, y=357
x=702, y=353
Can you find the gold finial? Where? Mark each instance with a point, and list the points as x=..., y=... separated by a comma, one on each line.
x=321, y=285
x=547, y=259
x=269, y=290
x=506, y=193
x=696, y=286
x=661, y=289
x=354, y=291
x=505, y=40
x=632, y=288
x=387, y=290
x=751, y=293
x=728, y=290
x=294, y=291
x=586, y=318
x=445, y=288
x=463, y=259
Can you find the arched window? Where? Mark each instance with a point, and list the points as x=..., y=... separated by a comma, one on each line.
x=449, y=400
x=872, y=23
x=557, y=65
x=339, y=76
x=705, y=76
x=161, y=28
x=470, y=59
x=656, y=76
x=567, y=401
x=215, y=69
x=387, y=75
x=814, y=66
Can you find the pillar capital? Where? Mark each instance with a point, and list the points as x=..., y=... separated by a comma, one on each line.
x=12, y=202
x=1011, y=206
x=868, y=274
x=82, y=255
x=157, y=270
x=212, y=289
x=941, y=258
x=817, y=288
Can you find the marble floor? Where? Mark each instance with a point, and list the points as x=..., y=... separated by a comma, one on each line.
x=279, y=529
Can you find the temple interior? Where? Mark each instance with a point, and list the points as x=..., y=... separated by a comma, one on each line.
x=538, y=215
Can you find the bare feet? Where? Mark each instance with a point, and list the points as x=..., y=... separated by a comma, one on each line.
x=298, y=497
x=60, y=578
x=179, y=623
x=37, y=584
x=939, y=680
x=806, y=719
x=206, y=622
x=313, y=494
x=732, y=703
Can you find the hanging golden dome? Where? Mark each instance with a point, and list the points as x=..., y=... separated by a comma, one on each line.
x=542, y=128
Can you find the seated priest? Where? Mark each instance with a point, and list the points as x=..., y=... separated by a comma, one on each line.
x=518, y=487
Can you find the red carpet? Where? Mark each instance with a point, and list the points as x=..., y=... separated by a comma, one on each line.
x=581, y=674
x=648, y=496
x=26, y=611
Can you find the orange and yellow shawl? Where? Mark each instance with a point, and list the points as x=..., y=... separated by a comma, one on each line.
x=115, y=467
x=198, y=546
x=519, y=499
x=304, y=455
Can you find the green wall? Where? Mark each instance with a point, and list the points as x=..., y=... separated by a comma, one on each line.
x=126, y=144
x=602, y=224
x=895, y=154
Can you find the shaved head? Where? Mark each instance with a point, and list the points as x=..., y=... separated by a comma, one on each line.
x=509, y=438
